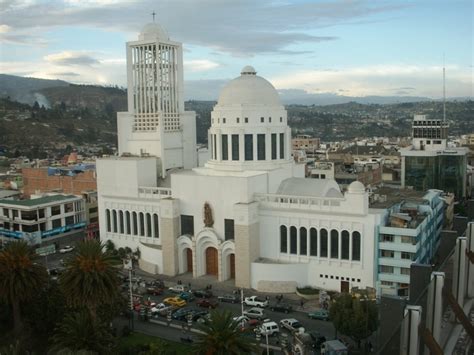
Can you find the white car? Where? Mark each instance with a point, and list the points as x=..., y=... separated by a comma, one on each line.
x=66, y=249
x=161, y=308
x=254, y=301
x=255, y=313
x=178, y=288
x=240, y=319
x=292, y=324
x=269, y=328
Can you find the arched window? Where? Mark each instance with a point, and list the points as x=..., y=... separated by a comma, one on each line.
x=345, y=245
x=141, y=223
x=121, y=226
x=148, y=225
x=334, y=244
x=283, y=239
x=293, y=241
x=324, y=243
x=156, y=227
x=303, y=241
x=127, y=220
x=135, y=223
x=313, y=242
x=114, y=221
x=107, y=217
x=356, y=246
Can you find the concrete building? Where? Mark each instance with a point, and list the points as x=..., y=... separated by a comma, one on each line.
x=321, y=170
x=409, y=233
x=43, y=220
x=429, y=164
x=248, y=214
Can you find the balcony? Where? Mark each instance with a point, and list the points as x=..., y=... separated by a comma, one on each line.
x=410, y=248
x=396, y=262
x=155, y=193
x=405, y=279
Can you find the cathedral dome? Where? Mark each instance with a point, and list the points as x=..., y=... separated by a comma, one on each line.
x=153, y=31
x=249, y=89
x=356, y=187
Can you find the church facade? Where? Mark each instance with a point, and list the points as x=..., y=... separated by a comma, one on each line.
x=248, y=214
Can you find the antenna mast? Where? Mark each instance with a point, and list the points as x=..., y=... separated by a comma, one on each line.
x=444, y=92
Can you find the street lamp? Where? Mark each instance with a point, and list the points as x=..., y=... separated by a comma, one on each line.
x=242, y=305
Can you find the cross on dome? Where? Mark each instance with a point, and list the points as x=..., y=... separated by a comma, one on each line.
x=248, y=70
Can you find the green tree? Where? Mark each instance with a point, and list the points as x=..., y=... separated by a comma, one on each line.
x=21, y=278
x=353, y=317
x=223, y=336
x=79, y=332
x=91, y=277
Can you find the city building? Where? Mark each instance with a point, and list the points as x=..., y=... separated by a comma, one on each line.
x=429, y=163
x=409, y=232
x=305, y=142
x=321, y=170
x=69, y=180
x=43, y=220
x=249, y=213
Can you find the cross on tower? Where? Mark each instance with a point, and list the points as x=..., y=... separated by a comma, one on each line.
x=153, y=14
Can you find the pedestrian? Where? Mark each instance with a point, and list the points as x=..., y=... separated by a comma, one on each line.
x=179, y=282
x=267, y=298
x=189, y=285
x=302, y=303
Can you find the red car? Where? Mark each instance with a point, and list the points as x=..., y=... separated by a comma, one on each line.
x=155, y=291
x=206, y=303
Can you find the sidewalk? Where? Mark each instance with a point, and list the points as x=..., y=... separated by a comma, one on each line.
x=228, y=287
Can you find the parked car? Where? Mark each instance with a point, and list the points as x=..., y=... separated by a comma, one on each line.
x=178, y=288
x=228, y=298
x=320, y=314
x=291, y=324
x=281, y=307
x=206, y=303
x=316, y=339
x=203, y=293
x=175, y=301
x=187, y=296
x=182, y=313
x=255, y=313
x=155, y=291
x=269, y=328
x=254, y=301
x=66, y=249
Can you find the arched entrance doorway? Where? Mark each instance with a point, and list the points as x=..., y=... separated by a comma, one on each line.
x=211, y=261
x=232, y=266
x=189, y=260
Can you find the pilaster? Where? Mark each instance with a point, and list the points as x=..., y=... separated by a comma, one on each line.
x=170, y=231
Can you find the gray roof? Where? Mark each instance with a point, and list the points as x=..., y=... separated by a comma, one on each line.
x=309, y=187
x=9, y=193
x=38, y=201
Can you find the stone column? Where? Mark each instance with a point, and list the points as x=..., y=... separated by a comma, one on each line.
x=410, y=341
x=434, y=306
x=459, y=272
x=220, y=268
x=470, y=266
x=247, y=241
x=170, y=231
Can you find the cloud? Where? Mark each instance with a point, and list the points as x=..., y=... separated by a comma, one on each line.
x=199, y=65
x=379, y=80
x=68, y=58
x=242, y=28
x=69, y=73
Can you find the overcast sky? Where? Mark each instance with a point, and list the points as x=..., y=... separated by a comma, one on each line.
x=353, y=48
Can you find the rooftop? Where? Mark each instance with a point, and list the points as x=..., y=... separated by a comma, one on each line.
x=309, y=187
x=38, y=201
x=385, y=197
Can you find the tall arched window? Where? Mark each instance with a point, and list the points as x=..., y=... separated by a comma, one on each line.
x=293, y=241
x=135, y=223
x=313, y=242
x=121, y=226
x=114, y=221
x=303, y=241
x=127, y=219
x=323, y=235
x=356, y=246
x=345, y=245
x=141, y=223
x=156, y=227
x=334, y=244
x=148, y=225
x=107, y=217
x=283, y=239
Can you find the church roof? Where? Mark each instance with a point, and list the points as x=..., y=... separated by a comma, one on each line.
x=309, y=187
x=249, y=89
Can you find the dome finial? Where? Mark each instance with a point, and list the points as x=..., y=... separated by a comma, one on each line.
x=248, y=70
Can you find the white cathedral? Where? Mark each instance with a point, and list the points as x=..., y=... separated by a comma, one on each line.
x=248, y=213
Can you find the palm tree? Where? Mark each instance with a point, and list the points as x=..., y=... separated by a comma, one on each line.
x=223, y=335
x=21, y=278
x=79, y=333
x=91, y=278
